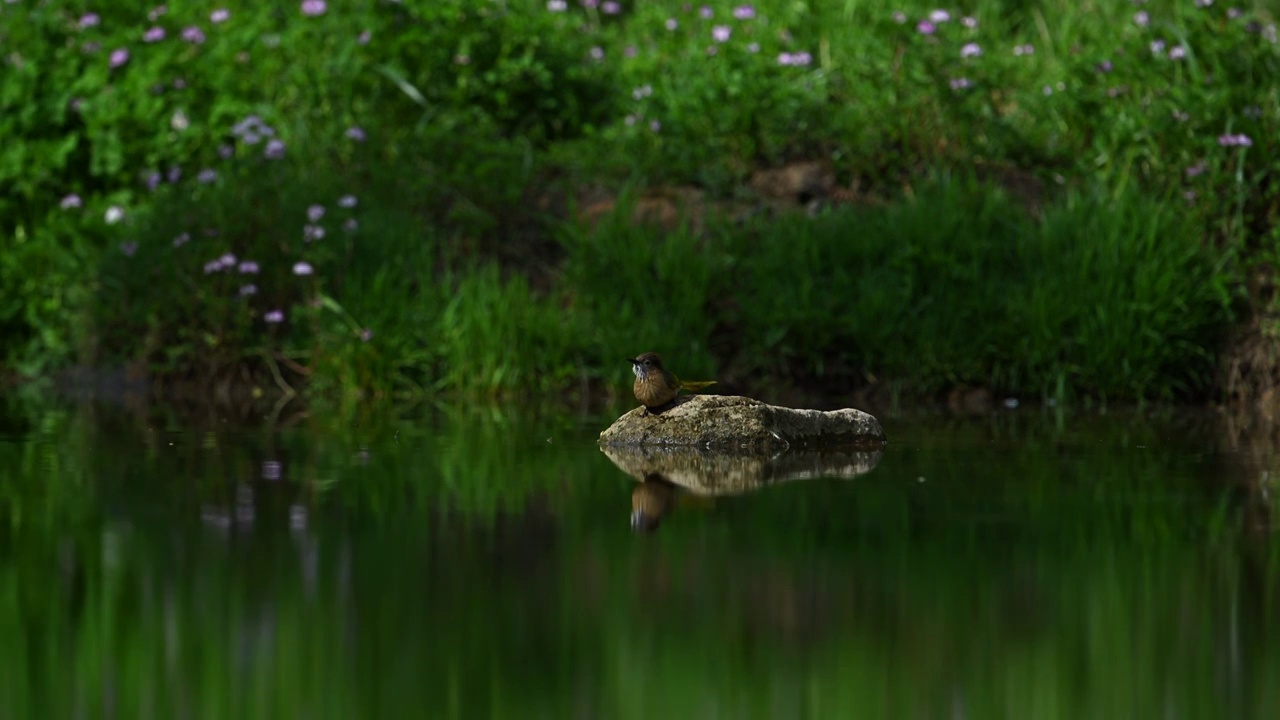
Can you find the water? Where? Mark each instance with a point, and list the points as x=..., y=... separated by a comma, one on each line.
x=480, y=563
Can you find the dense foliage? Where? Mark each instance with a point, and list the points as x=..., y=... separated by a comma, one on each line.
x=367, y=194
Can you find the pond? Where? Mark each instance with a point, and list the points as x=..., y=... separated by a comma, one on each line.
x=387, y=561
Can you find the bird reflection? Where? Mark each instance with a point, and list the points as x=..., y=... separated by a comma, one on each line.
x=651, y=501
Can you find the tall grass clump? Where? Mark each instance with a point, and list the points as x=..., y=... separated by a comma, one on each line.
x=644, y=289
x=1107, y=297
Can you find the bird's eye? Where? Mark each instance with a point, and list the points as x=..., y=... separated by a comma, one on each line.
x=648, y=363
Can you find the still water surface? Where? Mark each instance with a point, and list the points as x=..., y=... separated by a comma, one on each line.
x=395, y=562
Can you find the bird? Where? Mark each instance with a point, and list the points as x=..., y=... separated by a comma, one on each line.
x=657, y=387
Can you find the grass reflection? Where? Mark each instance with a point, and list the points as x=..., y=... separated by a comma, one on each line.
x=460, y=565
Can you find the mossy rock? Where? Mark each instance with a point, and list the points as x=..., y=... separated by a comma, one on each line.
x=729, y=422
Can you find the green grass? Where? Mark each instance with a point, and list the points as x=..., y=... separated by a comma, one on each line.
x=1107, y=297
x=478, y=128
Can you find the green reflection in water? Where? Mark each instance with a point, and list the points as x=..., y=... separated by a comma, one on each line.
x=462, y=565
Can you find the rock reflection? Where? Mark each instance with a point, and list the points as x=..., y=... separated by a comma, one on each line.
x=666, y=472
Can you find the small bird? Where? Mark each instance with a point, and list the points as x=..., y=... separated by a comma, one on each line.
x=655, y=386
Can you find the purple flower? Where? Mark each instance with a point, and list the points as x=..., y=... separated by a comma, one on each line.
x=924, y=27
x=156, y=12
x=247, y=290
x=129, y=247
x=350, y=225
x=969, y=22
x=1234, y=13
x=153, y=181
x=899, y=17
x=654, y=126
x=597, y=53
x=155, y=34
x=609, y=7
x=939, y=16
x=312, y=232
x=1177, y=52
x=276, y=316
x=356, y=133
x=1141, y=18
x=1196, y=169
x=720, y=33
x=113, y=215
x=799, y=59
x=312, y=8
x=671, y=24
x=960, y=83
x=71, y=201
x=181, y=240
x=220, y=15
x=303, y=268
x=1104, y=67
x=744, y=12
x=970, y=50
x=1157, y=47
x=1235, y=140
x=218, y=265
x=251, y=129
x=274, y=149
x=1203, y=3
x=119, y=56
x=315, y=212
x=347, y=201
x=557, y=5
x=364, y=37
x=705, y=12
x=366, y=334
x=89, y=20
x=630, y=51
x=753, y=47
x=193, y=35
x=207, y=176
x=248, y=267
x=175, y=174
x=1024, y=49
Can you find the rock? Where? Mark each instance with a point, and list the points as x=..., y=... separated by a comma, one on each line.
x=733, y=422
x=797, y=182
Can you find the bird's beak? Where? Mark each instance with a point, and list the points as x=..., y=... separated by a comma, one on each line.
x=633, y=361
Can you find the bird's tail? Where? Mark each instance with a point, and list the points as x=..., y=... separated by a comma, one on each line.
x=695, y=385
